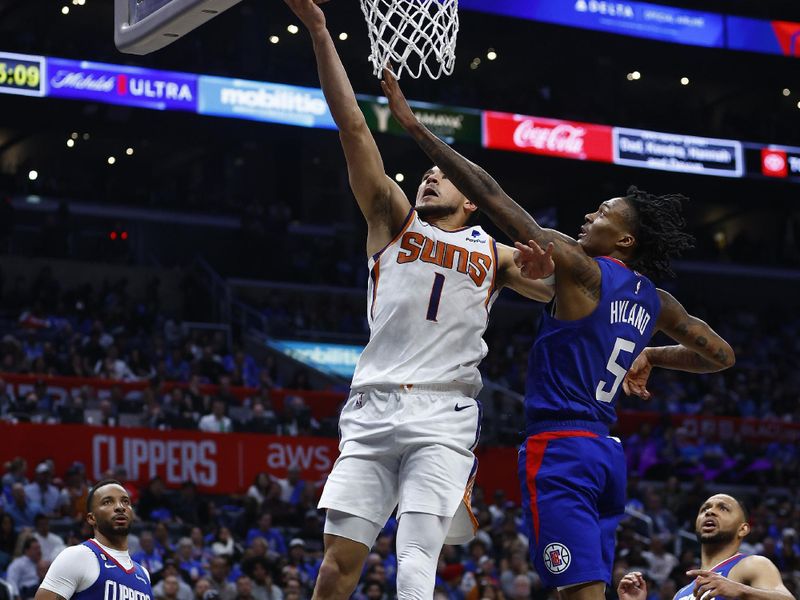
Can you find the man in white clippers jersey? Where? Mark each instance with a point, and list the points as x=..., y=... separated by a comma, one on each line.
x=411, y=422
x=100, y=568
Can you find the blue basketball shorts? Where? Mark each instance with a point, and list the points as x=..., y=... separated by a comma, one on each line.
x=573, y=497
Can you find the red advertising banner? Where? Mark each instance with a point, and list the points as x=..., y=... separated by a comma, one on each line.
x=323, y=404
x=774, y=163
x=714, y=428
x=566, y=139
x=218, y=463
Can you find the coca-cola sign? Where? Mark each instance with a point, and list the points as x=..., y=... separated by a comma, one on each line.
x=581, y=141
x=116, y=84
x=774, y=163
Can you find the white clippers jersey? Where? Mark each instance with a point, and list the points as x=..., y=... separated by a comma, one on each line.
x=428, y=302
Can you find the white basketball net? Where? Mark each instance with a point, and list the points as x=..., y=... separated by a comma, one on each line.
x=412, y=35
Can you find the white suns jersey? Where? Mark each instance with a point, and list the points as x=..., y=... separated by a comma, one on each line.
x=428, y=302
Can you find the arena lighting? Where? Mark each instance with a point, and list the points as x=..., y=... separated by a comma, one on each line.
x=491, y=54
x=399, y=178
x=343, y=36
x=684, y=81
x=124, y=235
x=292, y=29
x=74, y=135
x=476, y=62
x=111, y=160
x=33, y=175
x=129, y=151
x=70, y=143
x=787, y=92
x=85, y=137
x=636, y=75
x=274, y=39
x=65, y=10
x=113, y=235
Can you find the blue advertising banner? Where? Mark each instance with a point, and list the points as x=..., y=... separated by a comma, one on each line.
x=117, y=84
x=261, y=101
x=768, y=37
x=638, y=19
x=334, y=359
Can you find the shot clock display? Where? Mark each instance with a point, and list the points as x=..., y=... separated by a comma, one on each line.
x=22, y=74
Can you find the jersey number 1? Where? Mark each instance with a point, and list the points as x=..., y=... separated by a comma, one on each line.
x=616, y=369
x=436, y=295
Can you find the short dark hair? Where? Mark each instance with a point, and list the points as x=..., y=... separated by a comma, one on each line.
x=743, y=506
x=97, y=486
x=658, y=226
x=29, y=541
x=39, y=517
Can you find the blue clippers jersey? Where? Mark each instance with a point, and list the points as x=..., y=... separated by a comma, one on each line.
x=114, y=582
x=723, y=568
x=576, y=368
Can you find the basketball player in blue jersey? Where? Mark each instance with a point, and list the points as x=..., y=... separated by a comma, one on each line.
x=100, y=568
x=724, y=573
x=411, y=423
x=606, y=310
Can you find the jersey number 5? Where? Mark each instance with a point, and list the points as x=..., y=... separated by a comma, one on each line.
x=616, y=369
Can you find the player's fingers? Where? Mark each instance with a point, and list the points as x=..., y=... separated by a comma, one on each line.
x=698, y=573
x=627, y=389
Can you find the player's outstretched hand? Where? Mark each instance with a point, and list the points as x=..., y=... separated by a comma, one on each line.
x=635, y=382
x=709, y=584
x=532, y=261
x=632, y=587
x=308, y=12
x=397, y=101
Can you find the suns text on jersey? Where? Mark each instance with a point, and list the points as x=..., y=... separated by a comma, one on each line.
x=118, y=591
x=625, y=311
x=415, y=246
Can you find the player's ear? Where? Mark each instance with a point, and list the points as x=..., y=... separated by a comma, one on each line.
x=90, y=519
x=626, y=241
x=744, y=530
x=469, y=206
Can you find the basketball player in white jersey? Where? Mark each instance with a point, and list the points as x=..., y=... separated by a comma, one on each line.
x=100, y=568
x=412, y=421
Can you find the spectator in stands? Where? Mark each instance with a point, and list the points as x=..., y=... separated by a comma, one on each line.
x=15, y=472
x=306, y=568
x=297, y=419
x=155, y=504
x=149, y=556
x=223, y=544
x=272, y=535
x=20, y=508
x=23, y=572
x=70, y=410
x=200, y=551
x=260, y=486
x=216, y=421
x=260, y=571
x=8, y=540
x=219, y=569
x=660, y=562
x=51, y=544
x=42, y=492
x=262, y=420
x=189, y=507
x=186, y=560
x=75, y=492
x=292, y=487
x=108, y=414
x=171, y=570
x=201, y=586
x=169, y=589
x=244, y=588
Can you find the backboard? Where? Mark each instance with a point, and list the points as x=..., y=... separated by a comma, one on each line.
x=144, y=26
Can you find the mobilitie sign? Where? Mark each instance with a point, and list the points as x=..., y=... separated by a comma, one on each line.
x=262, y=101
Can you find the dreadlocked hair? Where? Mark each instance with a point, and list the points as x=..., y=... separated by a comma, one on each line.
x=659, y=225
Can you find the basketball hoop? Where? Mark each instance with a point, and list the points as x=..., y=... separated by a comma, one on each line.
x=412, y=36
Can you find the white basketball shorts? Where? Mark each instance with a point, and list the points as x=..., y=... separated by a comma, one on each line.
x=407, y=447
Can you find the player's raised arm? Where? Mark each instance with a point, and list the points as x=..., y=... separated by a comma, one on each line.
x=472, y=181
x=380, y=199
x=700, y=349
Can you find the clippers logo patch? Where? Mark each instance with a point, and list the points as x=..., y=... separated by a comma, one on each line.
x=557, y=558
